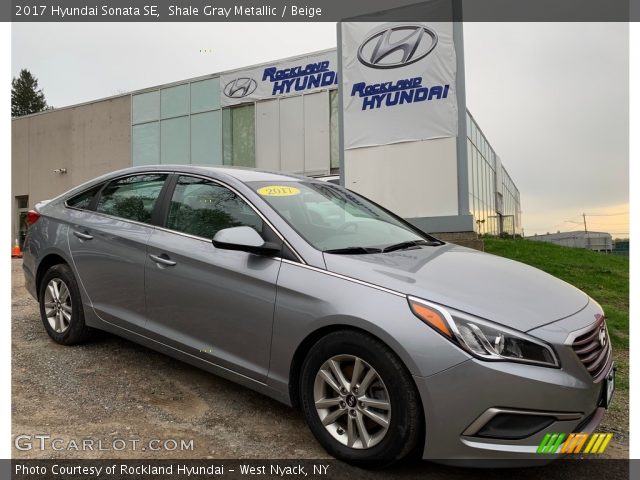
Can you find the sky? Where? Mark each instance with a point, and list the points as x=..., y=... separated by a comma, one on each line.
x=552, y=98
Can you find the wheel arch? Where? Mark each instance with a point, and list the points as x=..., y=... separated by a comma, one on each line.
x=305, y=345
x=48, y=261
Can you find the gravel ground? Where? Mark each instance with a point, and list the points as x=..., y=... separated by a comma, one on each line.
x=112, y=389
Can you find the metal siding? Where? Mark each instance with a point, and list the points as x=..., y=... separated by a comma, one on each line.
x=268, y=135
x=317, y=142
x=292, y=134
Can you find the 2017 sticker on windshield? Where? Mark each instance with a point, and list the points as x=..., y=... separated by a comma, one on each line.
x=278, y=191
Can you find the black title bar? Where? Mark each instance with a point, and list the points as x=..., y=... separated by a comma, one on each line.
x=319, y=10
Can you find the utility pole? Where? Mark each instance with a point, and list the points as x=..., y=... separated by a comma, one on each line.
x=586, y=232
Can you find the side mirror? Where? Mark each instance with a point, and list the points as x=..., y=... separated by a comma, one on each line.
x=245, y=239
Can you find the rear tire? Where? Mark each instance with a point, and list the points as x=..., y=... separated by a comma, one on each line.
x=61, y=306
x=382, y=400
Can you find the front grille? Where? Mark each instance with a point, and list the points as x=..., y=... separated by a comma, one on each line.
x=590, y=349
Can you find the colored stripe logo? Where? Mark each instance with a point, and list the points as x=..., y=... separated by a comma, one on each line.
x=553, y=443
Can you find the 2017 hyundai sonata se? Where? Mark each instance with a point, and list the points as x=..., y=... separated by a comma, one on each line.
x=389, y=340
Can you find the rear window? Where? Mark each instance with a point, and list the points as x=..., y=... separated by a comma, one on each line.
x=132, y=198
x=83, y=200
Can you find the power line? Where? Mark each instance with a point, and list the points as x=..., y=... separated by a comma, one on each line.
x=606, y=214
x=609, y=224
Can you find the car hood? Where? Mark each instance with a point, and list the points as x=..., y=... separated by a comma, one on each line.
x=491, y=287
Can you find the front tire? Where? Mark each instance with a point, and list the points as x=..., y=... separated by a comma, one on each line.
x=359, y=400
x=61, y=306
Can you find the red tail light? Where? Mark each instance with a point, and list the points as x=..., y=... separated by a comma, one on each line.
x=32, y=217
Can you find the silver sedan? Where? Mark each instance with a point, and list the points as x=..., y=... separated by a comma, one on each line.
x=389, y=340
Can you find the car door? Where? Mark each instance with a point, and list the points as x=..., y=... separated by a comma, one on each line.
x=212, y=303
x=108, y=245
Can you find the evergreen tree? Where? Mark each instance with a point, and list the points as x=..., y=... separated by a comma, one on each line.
x=26, y=98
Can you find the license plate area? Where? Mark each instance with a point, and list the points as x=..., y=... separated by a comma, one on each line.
x=608, y=387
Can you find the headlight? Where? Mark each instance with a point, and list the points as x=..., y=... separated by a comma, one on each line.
x=482, y=339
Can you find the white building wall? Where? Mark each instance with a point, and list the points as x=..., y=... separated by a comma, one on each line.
x=421, y=177
x=293, y=134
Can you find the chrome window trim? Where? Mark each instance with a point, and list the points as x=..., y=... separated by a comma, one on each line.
x=248, y=202
x=345, y=277
x=488, y=415
x=113, y=217
x=104, y=183
x=195, y=237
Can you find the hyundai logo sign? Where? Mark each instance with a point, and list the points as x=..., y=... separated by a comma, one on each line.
x=397, y=46
x=240, y=87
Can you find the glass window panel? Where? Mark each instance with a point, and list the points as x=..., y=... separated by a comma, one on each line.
x=492, y=194
x=174, y=101
x=132, y=197
x=206, y=138
x=174, y=140
x=227, y=139
x=472, y=175
x=202, y=208
x=470, y=165
x=483, y=180
x=244, y=136
x=487, y=183
x=146, y=107
x=145, y=144
x=83, y=200
x=481, y=192
x=238, y=132
x=476, y=168
x=205, y=95
x=489, y=189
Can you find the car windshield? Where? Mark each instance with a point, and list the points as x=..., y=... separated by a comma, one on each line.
x=335, y=220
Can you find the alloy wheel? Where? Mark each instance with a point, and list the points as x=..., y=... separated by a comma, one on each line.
x=57, y=305
x=352, y=401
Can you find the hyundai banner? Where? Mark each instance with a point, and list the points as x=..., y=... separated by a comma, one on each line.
x=293, y=77
x=398, y=82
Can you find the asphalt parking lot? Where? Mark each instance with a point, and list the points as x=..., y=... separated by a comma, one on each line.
x=111, y=389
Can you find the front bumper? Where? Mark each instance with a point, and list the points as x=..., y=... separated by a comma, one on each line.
x=453, y=400
x=458, y=401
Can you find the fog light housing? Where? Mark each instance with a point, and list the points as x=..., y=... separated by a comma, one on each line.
x=512, y=426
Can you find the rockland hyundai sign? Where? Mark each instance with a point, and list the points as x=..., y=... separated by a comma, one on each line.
x=398, y=82
x=293, y=77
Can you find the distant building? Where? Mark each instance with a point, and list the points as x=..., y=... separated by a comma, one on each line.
x=621, y=247
x=598, y=241
x=212, y=120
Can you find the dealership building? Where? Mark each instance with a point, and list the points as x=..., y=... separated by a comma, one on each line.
x=290, y=116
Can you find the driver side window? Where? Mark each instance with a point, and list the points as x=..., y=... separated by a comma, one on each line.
x=201, y=207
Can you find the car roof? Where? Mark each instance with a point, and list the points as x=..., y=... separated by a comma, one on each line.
x=242, y=174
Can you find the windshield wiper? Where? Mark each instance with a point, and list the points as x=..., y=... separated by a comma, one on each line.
x=408, y=244
x=353, y=250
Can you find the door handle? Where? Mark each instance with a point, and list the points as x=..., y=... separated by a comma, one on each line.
x=162, y=260
x=82, y=236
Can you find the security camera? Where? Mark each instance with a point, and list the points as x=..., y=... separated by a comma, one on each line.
x=61, y=171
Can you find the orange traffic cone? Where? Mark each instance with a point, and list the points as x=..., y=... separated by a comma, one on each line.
x=15, y=251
